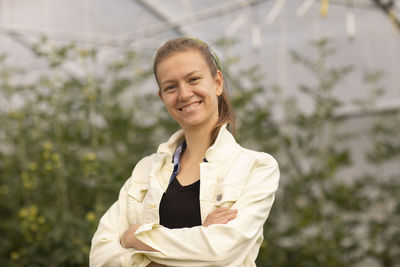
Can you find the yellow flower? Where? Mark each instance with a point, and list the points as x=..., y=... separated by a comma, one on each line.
x=32, y=166
x=90, y=216
x=85, y=249
x=14, y=256
x=41, y=220
x=23, y=213
x=47, y=145
x=48, y=166
x=27, y=181
x=16, y=115
x=56, y=157
x=34, y=227
x=90, y=156
x=83, y=53
x=33, y=210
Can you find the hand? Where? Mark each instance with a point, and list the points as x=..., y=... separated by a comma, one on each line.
x=220, y=216
x=128, y=239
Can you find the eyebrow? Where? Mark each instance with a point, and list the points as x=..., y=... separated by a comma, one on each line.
x=186, y=76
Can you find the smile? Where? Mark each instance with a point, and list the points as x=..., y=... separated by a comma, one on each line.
x=190, y=107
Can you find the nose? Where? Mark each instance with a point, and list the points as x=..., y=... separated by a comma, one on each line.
x=185, y=92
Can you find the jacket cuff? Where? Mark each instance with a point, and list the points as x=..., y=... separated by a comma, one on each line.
x=135, y=260
x=144, y=233
x=146, y=227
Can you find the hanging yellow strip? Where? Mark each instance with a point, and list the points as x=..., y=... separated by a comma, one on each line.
x=324, y=7
x=393, y=19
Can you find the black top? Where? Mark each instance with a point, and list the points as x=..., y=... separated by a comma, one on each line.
x=180, y=205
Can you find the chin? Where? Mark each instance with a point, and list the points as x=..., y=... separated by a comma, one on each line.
x=191, y=123
x=196, y=124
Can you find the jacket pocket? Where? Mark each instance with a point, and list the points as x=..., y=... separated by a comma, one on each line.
x=227, y=195
x=138, y=191
x=136, y=203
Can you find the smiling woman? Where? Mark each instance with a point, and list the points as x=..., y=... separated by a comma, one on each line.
x=189, y=91
x=202, y=199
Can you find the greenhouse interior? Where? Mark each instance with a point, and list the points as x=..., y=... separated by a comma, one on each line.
x=314, y=83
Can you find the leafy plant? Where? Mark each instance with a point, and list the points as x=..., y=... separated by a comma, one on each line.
x=71, y=133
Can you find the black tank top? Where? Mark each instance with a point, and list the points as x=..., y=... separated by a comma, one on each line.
x=180, y=205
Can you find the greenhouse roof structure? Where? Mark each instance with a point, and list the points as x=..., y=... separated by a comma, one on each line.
x=365, y=33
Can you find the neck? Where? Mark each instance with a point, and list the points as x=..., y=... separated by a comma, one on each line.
x=197, y=142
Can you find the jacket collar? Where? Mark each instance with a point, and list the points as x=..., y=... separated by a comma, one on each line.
x=222, y=148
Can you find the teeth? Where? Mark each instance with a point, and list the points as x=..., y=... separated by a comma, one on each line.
x=191, y=107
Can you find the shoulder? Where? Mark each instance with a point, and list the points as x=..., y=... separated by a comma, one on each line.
x=143, y=165
x=141, y=171
x=243, y=165
x=259, y=159
x=263, y=172
x=263, y=165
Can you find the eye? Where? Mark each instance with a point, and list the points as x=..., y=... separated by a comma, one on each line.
x=169, y=88
x=194, y=79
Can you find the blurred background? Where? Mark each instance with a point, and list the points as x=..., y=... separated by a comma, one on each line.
x=315, y=83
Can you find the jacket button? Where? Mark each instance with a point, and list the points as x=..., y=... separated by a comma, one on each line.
x=219, y=197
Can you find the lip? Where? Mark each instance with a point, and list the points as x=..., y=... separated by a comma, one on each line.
x=182, y=107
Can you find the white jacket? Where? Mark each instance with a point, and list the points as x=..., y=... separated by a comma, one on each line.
x=233, y=176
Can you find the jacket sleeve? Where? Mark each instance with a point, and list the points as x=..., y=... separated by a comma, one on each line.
x=219, y=244
x=106, y=249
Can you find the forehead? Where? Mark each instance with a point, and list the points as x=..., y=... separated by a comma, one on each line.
x=181, y=63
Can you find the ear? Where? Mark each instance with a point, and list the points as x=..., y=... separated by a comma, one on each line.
x=219, y=82
x=160, y=95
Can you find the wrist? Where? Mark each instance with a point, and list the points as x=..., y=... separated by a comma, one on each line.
x=128, y=239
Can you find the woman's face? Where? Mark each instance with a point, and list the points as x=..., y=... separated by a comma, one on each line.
x=188, y=90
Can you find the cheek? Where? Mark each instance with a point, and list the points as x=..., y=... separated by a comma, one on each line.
x=168, y=102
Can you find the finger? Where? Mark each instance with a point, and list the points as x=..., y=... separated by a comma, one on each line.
x=223, y=219
x=220, y=215
x=230, y=216
x=223, y=213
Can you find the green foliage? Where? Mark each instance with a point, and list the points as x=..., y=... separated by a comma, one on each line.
x=66, y=151
x=331, y=211
x=69, y=139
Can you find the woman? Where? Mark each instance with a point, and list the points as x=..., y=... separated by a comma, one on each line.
x=202, y=199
